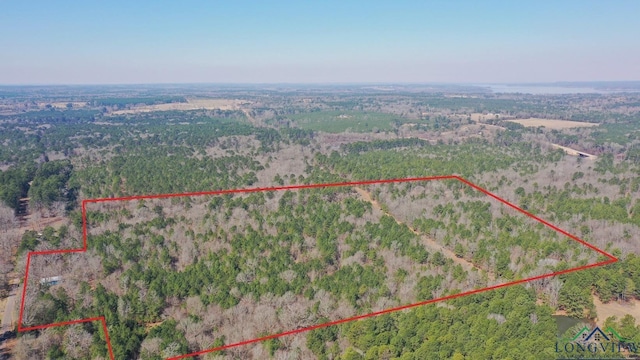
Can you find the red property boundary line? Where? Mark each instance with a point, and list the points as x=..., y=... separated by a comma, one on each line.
x=611, y=258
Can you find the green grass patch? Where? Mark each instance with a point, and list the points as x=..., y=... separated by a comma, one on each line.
x=340, y=121
x=620, y=133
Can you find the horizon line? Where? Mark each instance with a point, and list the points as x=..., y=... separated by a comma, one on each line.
x=330, y=83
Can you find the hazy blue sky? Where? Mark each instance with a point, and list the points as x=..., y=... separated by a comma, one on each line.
x=70, y=42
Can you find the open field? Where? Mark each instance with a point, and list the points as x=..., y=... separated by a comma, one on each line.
x=191, y=104
x=552, y=124
x=614, y=308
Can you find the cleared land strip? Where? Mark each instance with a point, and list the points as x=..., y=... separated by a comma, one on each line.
x=247, y=113
x=552, y=123
x=574, y=152
x=615, y=308
x=429, y=242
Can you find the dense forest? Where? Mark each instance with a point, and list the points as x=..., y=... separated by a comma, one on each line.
x=181, y=275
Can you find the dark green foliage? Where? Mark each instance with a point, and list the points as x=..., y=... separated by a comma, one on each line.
x=153, y=172
x=14, y=184
x=124, y=333
x=427, y=285
x=575, y=300
x=317, y=339
x=431, y=332
x=352, y=282
x=512, y=125
x=392, y=235
x=296, y=135
x=30, y=240
x=605, y=163
x=468, y=160
x=169, y=334
x=273, y=345
x=623, y=132
x=50, y=183
x=56, y=353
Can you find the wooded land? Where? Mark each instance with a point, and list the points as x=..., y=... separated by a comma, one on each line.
x=182, y=275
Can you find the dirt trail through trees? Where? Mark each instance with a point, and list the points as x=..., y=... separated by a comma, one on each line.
x=429, y=242
x=251, y=119
x=26, y=223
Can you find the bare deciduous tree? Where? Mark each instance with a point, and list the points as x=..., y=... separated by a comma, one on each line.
x=150, y=347
x=77, y=342
x=26, y=348
x=7, y=218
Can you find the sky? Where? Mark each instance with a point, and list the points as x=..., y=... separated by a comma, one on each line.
x=342, y=41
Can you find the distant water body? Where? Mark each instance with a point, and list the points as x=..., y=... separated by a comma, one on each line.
x=545, y=90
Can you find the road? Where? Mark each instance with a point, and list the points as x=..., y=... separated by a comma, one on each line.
x=8, y=316
x=251, y=119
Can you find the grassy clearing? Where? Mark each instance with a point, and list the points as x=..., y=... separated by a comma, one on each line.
x=620, y=133
x=340, y=121
x=552, y=124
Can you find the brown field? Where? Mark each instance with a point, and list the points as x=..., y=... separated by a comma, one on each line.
x=552, y=124
x=191, y=104
x=616, y=309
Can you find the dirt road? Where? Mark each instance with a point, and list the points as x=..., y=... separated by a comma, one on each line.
x=8, y=339
x=8, y=320
x=251, y=119
x=429, y=242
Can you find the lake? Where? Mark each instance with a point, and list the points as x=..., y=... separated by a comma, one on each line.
x=543, y=90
